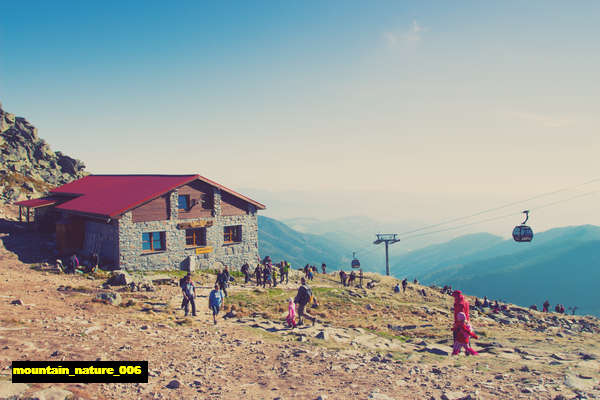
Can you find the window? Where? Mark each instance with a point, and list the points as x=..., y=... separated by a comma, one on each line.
x=184, y=202
x=232, y=234
x=195, y=237
x=207, y=200
x=153, y=241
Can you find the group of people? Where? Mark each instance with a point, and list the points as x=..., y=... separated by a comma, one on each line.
x=268, y=274
x=73, y=265
x=462, y=330
x=350, y=279
x=404, y=286
x=216, y=297
x=559, y=308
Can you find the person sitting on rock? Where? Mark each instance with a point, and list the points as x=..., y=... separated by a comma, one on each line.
x=533, y=307
x=486, y=302
x=291, y=317
x=462, y=334
x=477, y=302
x=397, y=288
x=73, y=264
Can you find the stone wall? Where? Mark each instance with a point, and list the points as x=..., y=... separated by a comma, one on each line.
x=101, y=237
x=176, y=255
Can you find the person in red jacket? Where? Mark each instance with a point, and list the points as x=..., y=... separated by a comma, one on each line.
x=462, y=334
x=461, y=305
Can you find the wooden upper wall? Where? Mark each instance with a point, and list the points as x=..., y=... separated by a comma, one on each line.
x=155, y=210
x=231, y=205
x=201, y=200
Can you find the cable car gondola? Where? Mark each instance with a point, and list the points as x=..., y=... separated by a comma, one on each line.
x=523, y=233
x=355, y=262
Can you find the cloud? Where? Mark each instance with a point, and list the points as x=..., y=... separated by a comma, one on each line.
x=547, y=121
x=407, y=38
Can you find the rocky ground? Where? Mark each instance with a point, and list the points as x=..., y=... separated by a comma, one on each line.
x=367, y=344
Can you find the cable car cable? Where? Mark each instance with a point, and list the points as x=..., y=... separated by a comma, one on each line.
x=500, y=207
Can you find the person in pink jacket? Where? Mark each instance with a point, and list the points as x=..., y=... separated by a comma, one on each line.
x=291, y=317
x=461, y=305
x=462, y=334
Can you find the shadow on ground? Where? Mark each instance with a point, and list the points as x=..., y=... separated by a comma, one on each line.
x=29, y=245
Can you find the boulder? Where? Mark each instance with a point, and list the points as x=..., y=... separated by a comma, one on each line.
x=109, y=297
x=322, y=335
x=51, y=393
x=10, y=390
x=174, y=384
x=119, y=278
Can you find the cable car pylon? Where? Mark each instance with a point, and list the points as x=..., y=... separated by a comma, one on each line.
x=387, y=238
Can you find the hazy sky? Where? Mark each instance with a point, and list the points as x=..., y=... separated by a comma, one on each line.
x=404, y=110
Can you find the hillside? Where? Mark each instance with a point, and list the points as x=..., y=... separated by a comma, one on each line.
x=283, y=243
x=28, y=167
x=559, y=264
x=366, y=344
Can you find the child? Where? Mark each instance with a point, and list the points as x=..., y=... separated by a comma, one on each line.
x=462, y=333
x=215, y=301
x=291, y=317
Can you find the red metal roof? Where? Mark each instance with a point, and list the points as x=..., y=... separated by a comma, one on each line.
x=112, y=195
x=35, y=203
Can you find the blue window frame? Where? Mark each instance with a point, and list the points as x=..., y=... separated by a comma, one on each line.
x=184, y=202
x=153, y=241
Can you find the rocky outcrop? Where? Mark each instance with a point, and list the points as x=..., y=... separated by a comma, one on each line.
x=28, y=167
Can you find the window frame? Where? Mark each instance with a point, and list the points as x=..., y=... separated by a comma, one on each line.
x=187, y=202
x=232, y=234
x=195, y=234
x=162, y=239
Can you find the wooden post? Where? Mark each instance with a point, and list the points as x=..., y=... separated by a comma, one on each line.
x=27, y=214
x=20, y=213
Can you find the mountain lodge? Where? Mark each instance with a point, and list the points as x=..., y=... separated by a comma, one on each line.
x=150, y=222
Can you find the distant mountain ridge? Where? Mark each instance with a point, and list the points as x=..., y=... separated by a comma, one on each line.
x=561, y=264
x=281, y=242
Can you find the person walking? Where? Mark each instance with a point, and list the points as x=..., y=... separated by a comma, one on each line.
x=323, y=268
x=462, y=334
x=215, y=302
x=291, y=317
x=286, y=272
x=246, y=271
x=189, y=293
x=404, y=285
x=460, y=305
x=545, y=306
x=223, y=280
x=303, y=297
x=258, y=274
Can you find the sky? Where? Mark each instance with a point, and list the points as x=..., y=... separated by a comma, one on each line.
x=402, y=111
